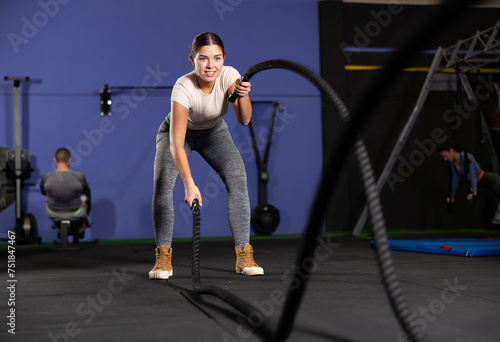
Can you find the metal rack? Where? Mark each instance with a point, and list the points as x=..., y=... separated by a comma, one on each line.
x=468, y=55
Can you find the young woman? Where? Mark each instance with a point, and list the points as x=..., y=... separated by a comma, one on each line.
x=199, y=101
x=452, y=152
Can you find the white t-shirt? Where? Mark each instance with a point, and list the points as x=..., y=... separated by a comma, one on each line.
x=204, y=109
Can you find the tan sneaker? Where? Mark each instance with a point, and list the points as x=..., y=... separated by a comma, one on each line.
x=244, y=261
x=163, y=267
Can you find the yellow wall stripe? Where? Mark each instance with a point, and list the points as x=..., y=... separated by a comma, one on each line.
x=413, y=69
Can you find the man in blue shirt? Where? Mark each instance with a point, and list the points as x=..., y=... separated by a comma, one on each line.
x=452, y=152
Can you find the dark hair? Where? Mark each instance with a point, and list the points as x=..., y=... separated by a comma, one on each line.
x=448, y=145
x=206, y=38
x=63, y=155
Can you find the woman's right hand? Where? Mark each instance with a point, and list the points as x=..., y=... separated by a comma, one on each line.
x=471, y=196
x=190, y=193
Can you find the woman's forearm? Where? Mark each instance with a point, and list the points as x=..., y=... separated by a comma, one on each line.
x=244, y=110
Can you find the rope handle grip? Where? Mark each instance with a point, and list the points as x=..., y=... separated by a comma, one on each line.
x=234, y=96
x=195, y=205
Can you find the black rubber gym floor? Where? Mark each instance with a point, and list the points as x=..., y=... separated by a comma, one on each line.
x=101, y=292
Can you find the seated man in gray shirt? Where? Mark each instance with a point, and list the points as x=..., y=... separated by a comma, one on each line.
x=68, y=191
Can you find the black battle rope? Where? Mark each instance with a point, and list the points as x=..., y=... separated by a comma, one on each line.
x=443, y=16
x=245, y=308
x=301, y=274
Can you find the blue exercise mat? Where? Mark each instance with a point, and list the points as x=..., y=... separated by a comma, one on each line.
x=463, y=247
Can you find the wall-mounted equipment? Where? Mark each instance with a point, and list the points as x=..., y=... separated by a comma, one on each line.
x=105, y=95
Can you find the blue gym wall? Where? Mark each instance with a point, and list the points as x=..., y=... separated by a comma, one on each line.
x=71, y=48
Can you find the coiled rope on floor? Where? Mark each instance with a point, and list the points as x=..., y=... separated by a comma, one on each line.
x=245, y=308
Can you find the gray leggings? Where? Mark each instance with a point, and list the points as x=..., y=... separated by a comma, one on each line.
x=216, y=146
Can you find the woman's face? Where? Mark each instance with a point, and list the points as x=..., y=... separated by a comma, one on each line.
x=446, y=155
x=208, y=62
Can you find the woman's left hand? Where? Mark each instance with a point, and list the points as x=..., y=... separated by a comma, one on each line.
x=242, y=88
